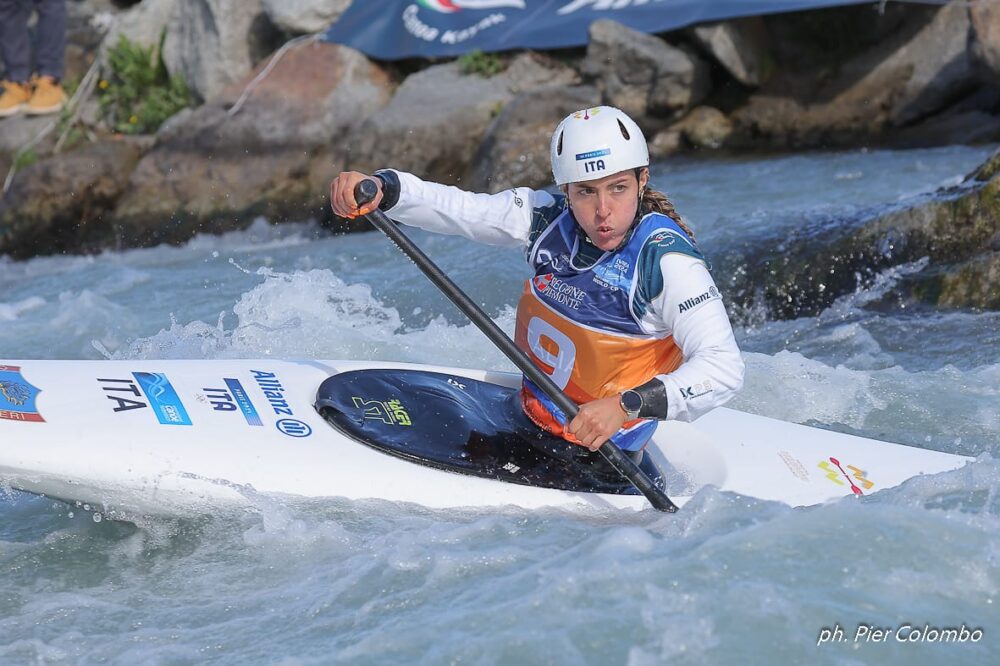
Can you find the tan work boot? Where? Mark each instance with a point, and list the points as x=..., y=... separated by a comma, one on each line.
x=47, y=97
x=14, y=98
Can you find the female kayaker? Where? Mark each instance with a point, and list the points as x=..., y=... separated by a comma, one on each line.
x=622, y=311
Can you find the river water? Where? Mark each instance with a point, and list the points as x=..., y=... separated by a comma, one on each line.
x=728, y=580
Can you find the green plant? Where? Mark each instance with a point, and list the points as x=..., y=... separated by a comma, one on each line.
x=483, y=64
x=25, y=159
x=138, y=93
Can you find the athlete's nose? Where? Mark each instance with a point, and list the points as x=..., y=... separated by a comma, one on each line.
x=603, y=204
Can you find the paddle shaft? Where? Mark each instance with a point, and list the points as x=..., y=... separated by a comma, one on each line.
x=364, y=192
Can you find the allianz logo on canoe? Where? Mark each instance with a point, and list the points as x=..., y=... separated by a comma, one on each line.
x=153, y=390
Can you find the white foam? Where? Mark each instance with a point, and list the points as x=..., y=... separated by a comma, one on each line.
x=13, y=311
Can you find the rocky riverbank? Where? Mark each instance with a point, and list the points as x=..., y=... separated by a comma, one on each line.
x=268, y=128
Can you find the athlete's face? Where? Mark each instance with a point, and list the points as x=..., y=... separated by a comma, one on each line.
x=605, y=207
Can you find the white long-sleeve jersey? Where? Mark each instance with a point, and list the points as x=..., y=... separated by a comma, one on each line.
x=683, y=300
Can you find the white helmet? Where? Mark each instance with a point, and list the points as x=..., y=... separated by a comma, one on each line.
x=597, y=142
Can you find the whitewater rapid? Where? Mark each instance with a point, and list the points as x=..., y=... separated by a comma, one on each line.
x=728, y=580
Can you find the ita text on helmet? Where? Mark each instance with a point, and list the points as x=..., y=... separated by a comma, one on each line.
x=596, y=142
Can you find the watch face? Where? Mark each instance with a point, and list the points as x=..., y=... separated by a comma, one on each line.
x=631, y=401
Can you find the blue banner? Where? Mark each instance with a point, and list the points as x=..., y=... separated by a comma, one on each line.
x=393, y=29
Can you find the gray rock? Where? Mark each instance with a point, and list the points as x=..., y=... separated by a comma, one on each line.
x=212, y=171
x=515, y=151
x=62, y=203
x=970, y=284
x=987, y=170
x=808, y=271
x=304, y=17
x=438, y=116
x=940, y=66
x=142, y=23
x=642, y=74
x=740, y=46
x=966, y=127
x=917, y=71
x=985, y=39
x=17, y=131
x=666, y=142
x=705, y=127
x=210, y=42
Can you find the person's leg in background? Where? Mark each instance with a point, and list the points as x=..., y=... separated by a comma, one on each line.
x=48, y=95
x=15, y=49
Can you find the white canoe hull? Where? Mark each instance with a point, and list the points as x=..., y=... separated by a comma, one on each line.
x=85, y=431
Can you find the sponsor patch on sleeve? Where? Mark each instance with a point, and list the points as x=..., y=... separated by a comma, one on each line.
x=711, y=295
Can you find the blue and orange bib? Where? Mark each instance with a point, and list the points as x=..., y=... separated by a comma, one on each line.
x=581, y=325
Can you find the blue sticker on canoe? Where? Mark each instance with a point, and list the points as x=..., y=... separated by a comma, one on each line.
x=17, y=396
x=162, y=398
x=243, y=402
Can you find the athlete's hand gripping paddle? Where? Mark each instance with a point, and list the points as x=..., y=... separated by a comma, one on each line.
x=364, y=192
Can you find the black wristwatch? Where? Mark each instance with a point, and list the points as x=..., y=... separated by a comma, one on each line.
x=631, y=402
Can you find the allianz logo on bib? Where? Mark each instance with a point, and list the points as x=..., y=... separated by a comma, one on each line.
x=557, y=290
x=709, y=295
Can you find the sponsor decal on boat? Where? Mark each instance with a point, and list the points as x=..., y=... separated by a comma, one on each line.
x=390, y=411
x=233, y=398
x=273, y=391
x=795, y=466
x=17, y=396
x=293, y=428
x=146, y=390
x=838, y=475
x=275, y=394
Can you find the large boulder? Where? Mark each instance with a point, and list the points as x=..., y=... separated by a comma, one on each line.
x=439, y=115
x=304, y=17
x=705, y=127
x=641, y=74
x=213, y=43
x=213, y=171
x=740, y=46
x=970, y=284
x=62, y=203
x=17, y=131
x=515, y=151
x=956, y=230
x=940, y=67
x=921, y=68
x=143, y=23
x=985, y=42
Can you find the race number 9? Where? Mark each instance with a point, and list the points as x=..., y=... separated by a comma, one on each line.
x=561, y=358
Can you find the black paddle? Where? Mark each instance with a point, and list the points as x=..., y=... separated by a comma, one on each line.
x=364, y=192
